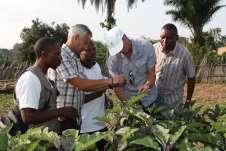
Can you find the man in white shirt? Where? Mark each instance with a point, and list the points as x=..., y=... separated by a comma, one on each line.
x=93, y=101
x=35, y=95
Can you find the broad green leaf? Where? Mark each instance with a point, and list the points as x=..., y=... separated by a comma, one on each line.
x=185, y=146
x=176, y=136
x=72, y=133
x=85, y=141
x=126, y=132
x=133, y=100
x=117, y=109
x=32, y=146
x=206, y=138
x=161, y=134
x=219, y=126
x=68, y=139
x=207, y=149
x=122, y=120
x=4, y=139
x=141, y=116
x=147, y=141
x=49, y=136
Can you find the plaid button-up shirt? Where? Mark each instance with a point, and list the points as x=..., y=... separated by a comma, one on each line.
x=70, y=67
x=172, y=71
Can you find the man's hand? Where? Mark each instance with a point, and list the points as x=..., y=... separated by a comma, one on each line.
x=118, y=80
x=68, y=113
x=144, y=88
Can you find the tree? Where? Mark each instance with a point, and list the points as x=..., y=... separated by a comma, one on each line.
x=30, y=35
x=194, y=14
x=5, y=56
x=101, y=51
x=110, y=21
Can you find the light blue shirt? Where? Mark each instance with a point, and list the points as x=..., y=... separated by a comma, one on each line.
x=142, y=59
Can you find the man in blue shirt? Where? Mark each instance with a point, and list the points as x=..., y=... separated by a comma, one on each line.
x=135, y=59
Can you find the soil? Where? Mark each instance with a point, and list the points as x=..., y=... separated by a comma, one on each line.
x=209, y=94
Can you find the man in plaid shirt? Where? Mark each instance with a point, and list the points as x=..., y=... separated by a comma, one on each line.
x=70, y=79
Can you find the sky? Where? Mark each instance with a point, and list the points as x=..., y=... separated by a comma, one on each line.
x=143, y=20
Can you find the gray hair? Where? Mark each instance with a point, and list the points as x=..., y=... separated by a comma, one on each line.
x=79, y=29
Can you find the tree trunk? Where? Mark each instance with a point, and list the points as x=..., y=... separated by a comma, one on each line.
x=198, y=37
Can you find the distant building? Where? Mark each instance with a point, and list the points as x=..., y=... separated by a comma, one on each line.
x=221, y=50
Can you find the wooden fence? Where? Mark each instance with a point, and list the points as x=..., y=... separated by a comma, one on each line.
x=11, y=71
x=211, y=73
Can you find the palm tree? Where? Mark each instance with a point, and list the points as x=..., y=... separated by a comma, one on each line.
x=194, y=14
x=110, y=6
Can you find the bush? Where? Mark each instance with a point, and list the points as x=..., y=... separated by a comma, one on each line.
x=130, y=128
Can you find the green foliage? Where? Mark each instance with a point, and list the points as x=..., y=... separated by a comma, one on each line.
x=194, y=14
x=5, y=56
x=109, y=6
x=130, y=128
x=148, y=142
x=4, y=139
x=6, y=103
x=214, y=38
x=38, y=29
x=199, y=52
x=102, y=54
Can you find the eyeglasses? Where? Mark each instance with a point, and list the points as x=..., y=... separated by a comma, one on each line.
x=131, y=77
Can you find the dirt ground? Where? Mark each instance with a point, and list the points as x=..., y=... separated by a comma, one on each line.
x=209, y=94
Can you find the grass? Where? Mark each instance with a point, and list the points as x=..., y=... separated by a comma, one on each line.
x=6, y=103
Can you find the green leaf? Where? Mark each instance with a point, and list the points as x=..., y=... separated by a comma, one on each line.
x=32, y=146
x=185, y=145
x=176, y=136
x=161, y=134
x=85, y=141
x=72, y=133
x=133, y=100
x=68, y=139
x=125, y=133
x=147, y=141
x=140, y=115
x=207, y=149
x=4, y=139
x=203, y=137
